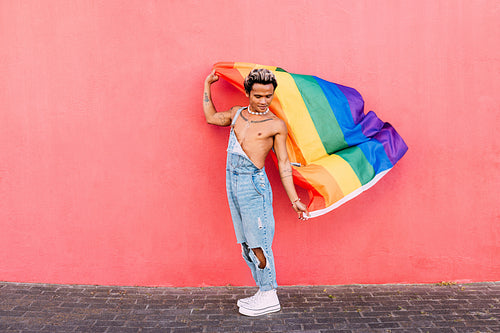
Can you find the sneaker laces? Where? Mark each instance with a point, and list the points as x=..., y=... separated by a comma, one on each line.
x=250, y=298
x=259, y=295
x=254, y=297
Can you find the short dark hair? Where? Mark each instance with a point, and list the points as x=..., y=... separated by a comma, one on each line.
x=259, y=75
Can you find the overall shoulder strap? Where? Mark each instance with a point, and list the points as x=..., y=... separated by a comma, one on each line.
x=236, y=115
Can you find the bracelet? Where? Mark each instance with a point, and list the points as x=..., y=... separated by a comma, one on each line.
x=293, y=202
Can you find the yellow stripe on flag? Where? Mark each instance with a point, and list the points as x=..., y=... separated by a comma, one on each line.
x=271, y=68
x=298, y=117
x=342, y=172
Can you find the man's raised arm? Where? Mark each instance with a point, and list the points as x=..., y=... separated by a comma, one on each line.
x=213, y=117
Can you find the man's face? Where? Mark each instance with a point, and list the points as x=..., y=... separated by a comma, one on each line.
x=260, y=96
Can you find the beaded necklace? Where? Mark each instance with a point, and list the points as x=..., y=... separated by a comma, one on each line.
x=257, y=113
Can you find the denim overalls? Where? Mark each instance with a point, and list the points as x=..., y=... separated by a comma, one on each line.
x=250, y=200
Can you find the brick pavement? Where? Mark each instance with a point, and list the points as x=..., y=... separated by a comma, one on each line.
x=353, y=308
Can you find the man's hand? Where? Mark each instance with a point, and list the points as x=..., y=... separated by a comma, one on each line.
x=211, y=78
x=301, y=210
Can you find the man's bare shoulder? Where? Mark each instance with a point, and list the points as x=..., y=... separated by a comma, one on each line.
x=234, y=109
x=279, y=125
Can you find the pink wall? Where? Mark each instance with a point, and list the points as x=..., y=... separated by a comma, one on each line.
x=109, y=174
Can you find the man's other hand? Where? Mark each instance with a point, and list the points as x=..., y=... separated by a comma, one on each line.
x=301, y=210
x=211, y=78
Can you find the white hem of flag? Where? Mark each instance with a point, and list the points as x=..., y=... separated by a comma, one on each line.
x=350, y=196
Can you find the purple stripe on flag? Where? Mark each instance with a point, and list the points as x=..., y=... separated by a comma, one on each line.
x=356, y=102
x=393, y=144
x=370, y=123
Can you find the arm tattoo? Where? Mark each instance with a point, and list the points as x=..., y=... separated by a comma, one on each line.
x=222, y=119
x=286, y=173
x=206, y=99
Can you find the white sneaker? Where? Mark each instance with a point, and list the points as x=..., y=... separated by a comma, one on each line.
x=262, y=303
x=246, y=300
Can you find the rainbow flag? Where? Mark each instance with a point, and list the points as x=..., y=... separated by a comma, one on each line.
x=337, y=151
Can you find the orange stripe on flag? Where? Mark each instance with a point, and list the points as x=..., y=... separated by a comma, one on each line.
x=317, y=201
x=322, y=181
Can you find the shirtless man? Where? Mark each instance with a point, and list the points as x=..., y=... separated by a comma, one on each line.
x=254, y=131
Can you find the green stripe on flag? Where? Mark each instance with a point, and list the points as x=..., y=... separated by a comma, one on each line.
x=321, y=114
x=358, y=162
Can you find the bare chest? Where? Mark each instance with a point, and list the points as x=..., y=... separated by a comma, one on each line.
x=252, y=132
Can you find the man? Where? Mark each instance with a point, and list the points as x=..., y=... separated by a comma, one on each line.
x=254, y=131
